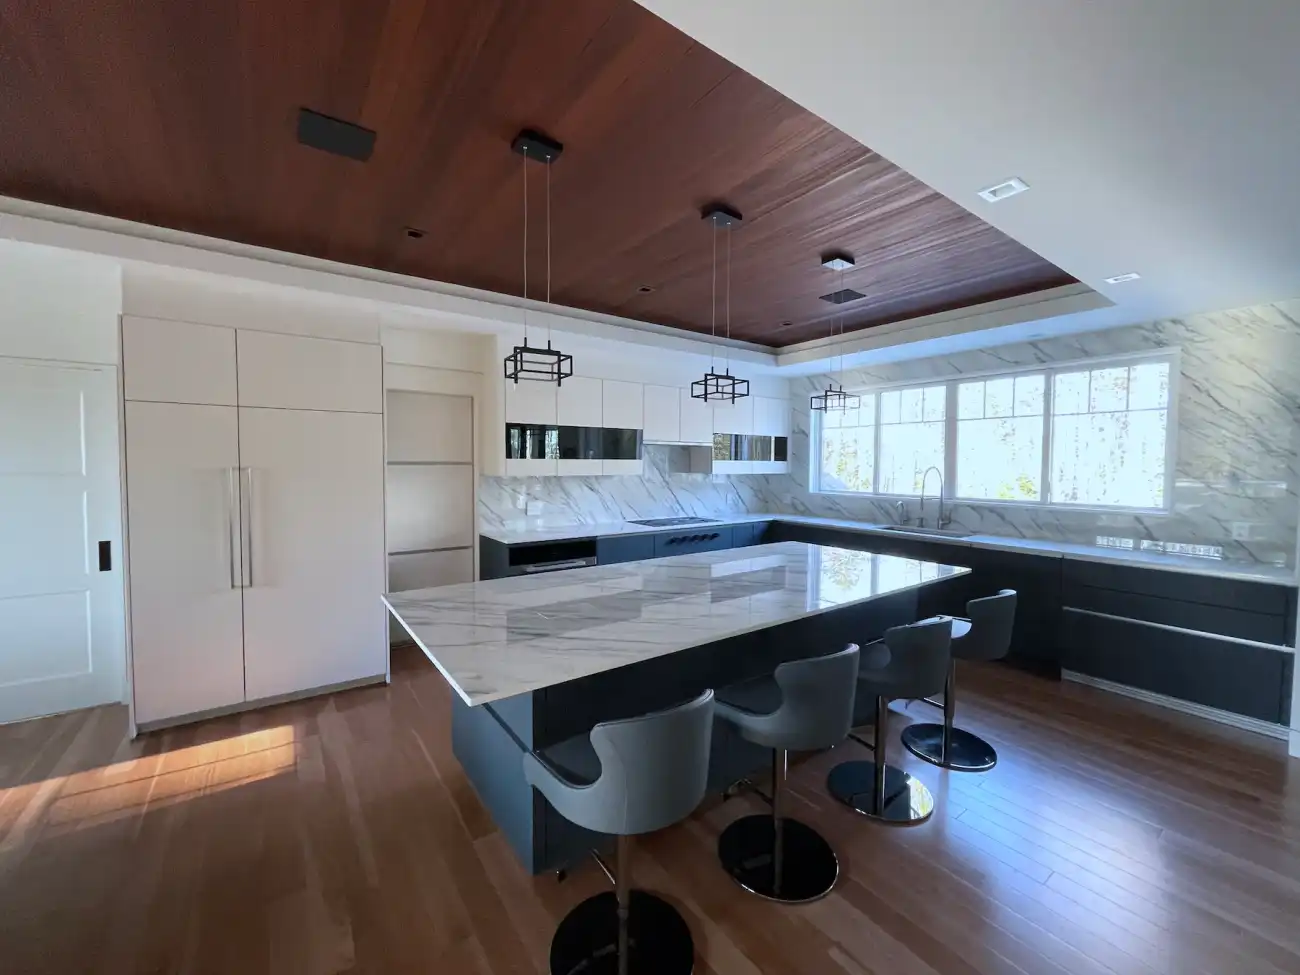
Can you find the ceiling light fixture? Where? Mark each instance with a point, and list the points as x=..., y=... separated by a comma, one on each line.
x=998, y=193
x=720, y=386
x=529, y=362
x=1122, y=278
x=415, y=233
x=833, y=399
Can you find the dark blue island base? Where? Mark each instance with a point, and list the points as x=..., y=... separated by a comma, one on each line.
x=489, y=741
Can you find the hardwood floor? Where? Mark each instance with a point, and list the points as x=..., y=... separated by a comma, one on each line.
x=338, y=835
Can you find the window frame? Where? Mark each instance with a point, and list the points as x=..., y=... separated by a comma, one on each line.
x=1049, y=371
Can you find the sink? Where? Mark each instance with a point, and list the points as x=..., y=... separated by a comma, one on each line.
x=936, y=532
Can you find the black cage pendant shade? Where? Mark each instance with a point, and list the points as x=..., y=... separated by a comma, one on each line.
x=720, y=387
x=530, y=362
x=833, y=399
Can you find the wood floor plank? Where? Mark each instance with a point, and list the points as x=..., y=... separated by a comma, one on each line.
x=339, y=836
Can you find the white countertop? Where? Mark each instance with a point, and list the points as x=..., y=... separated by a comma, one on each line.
x=1069, y=550
x=496, y=639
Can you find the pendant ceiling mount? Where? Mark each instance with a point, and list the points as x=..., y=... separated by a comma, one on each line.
x=720, y=387
x=833, y=399
x=530, y=362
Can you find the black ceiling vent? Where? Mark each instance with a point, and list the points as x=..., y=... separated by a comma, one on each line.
x=843, y=296
x=334, y=135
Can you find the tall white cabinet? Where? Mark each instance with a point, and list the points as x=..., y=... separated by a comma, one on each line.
x=255, y=499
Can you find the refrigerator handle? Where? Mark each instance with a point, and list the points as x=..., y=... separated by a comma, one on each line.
x=231, y=494
x=248, y=527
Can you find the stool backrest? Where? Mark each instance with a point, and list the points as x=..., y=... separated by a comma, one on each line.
x=920, y=654
x=654, y=769
x=992, y=620
x=816, y=702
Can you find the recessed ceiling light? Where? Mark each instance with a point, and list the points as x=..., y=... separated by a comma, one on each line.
x=996, y=194
x=1121, y=278
x=645, y=289
x=837, y=261
x=415, y=233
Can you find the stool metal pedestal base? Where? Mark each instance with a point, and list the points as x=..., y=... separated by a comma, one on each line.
x=808, y=866
x=907, y=802
x=966, y=752
x=659, y=942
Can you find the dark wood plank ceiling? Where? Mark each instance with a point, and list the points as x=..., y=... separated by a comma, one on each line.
x=182, y=114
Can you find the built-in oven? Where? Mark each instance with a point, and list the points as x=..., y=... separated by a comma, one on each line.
x=537, y=557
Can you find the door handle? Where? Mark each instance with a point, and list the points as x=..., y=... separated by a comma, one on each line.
x=230, y=524
x=248, y=527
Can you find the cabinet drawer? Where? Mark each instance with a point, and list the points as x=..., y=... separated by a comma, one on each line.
x=1205, y=617
x=1253, y=597
x=624, y=548
x=1209, y=670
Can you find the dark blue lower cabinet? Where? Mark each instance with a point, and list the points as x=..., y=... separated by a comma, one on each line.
x=624, y=548
x=1199, y=667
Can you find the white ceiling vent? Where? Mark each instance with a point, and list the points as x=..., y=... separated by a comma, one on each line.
x=1121, y=278
x=996, y=194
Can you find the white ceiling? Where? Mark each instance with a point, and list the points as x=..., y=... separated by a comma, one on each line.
x=1157, y=136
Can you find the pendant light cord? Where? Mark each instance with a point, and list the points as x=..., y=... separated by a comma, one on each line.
x=525, y=246
x=728, y=351
x=713, y=302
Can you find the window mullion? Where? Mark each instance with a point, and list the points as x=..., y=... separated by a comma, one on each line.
x=950, y=440
x=1045, y=488
x=875, y=464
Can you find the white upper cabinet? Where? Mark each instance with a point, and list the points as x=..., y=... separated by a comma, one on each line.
x=624, y=405
x=178, y=362
x=697, y=419
x=663, y=414
x=734, y=418
x=297, y=373
x=531, y=402
x=771, y=416
x=580, y=402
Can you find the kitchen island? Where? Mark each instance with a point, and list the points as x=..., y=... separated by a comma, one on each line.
x=537, y=659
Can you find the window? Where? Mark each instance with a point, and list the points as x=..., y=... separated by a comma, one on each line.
x=1095, y=435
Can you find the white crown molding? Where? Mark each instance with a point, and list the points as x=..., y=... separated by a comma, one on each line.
x=417, y=301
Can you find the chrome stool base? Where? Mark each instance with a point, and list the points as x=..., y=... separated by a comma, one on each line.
x=808, y=865
x=906, y=800
x=659, y=942
x=966, y=752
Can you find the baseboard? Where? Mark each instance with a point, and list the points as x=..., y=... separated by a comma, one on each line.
x=1295, y=743
x=266, y=702
x=1259, y=727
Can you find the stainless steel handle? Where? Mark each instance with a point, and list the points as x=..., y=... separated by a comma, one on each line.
x=556, y=566
x=230, y=523
x=248, y=526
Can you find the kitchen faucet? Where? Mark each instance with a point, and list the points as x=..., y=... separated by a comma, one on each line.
x=942, y=521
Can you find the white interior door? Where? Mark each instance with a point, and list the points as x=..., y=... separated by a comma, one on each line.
x=187, y=649
x=314, y=543
x=62, y=630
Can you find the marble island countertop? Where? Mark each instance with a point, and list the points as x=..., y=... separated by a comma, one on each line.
x=493, y=640
x=525, y=532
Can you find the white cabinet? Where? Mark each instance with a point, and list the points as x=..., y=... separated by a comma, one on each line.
x=663, y=414
x=291, y=372
x=187, y=641
x=580, y=402
x=531, y=402
x=734, y=418
x=178, y=362
x=697, y=419
x=313, y=526
x=256, y=535
x=771, y=416
x=624, y=405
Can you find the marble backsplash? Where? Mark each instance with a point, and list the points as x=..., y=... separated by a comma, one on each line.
x=1236, y=477
x=588, y=500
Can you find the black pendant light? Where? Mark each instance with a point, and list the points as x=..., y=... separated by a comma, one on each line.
x=833, y=399
x=530, y=362
x=720, y=387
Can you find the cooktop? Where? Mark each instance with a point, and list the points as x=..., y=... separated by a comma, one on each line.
x=673, y=522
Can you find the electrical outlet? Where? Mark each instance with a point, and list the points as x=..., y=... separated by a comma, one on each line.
x=1241, y=531
x=534, y=509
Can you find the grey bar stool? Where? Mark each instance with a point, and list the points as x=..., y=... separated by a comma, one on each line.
x=625, y=778
x=806, y=705
x=919, y=655
x=986, y=635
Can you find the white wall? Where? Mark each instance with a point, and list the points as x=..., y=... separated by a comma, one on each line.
x=58, y=305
